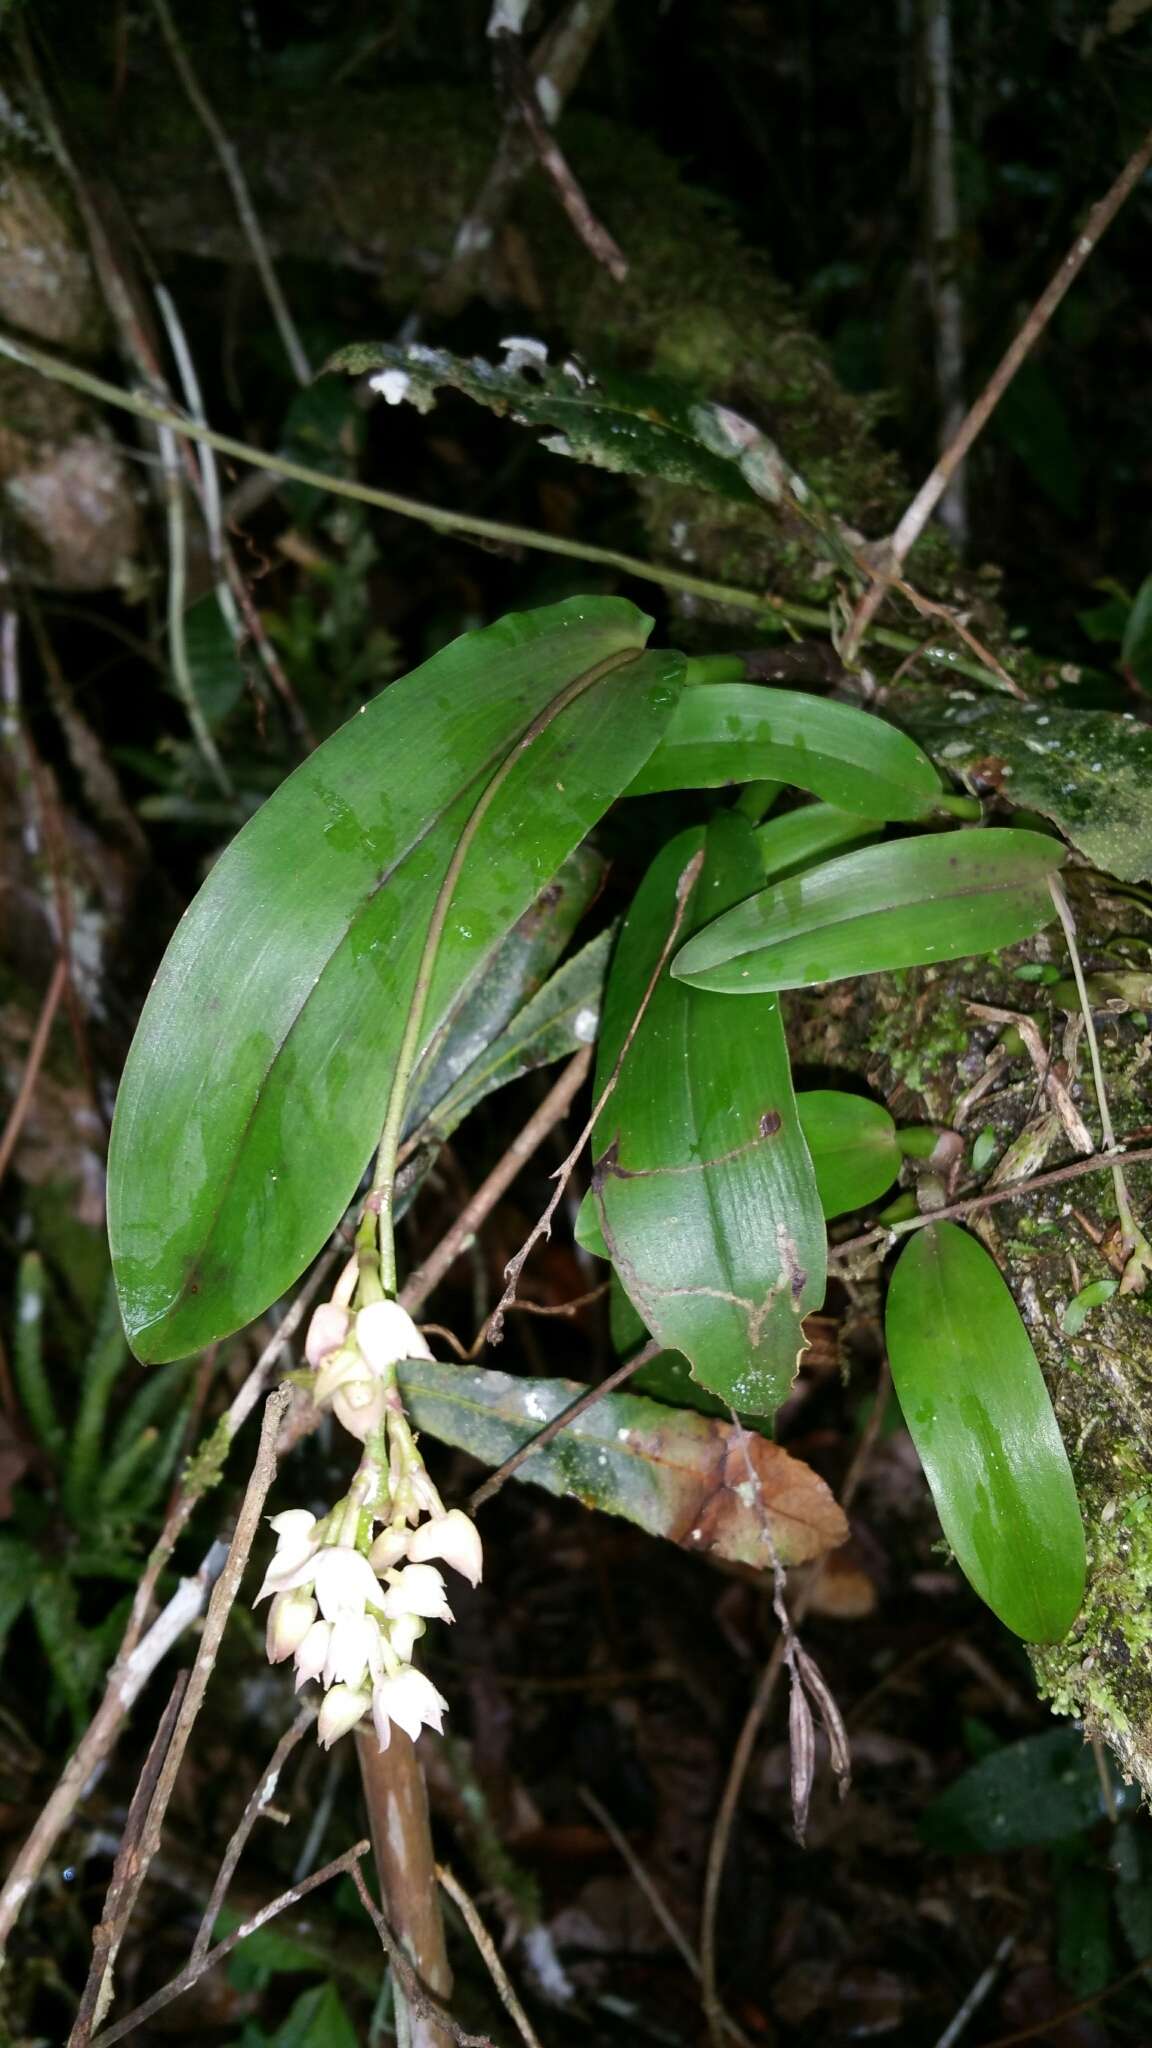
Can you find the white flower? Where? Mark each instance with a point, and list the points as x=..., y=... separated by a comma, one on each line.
x=353, y=1650
x=409, y=1699
x=326, y=1332
x=290, y=1617
x=454, y=1538
x=295, y=1548
x=312, y=1654
x=345, y=1581
x=342, y=1707
x=385, y=1333
x=417, y=1589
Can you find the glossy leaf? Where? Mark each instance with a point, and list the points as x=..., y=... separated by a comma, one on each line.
x=517, y=973
x=801, y=838
x=723, y=733
x=704, y=1189
x=978, y=1411
x=904, y=904
x=854, y=1148
x=1089, y=771
x=1045, y=1788
x=256, y=1086
x=672, y=1472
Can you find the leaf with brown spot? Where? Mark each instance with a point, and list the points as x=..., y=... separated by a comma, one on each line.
x=675, y=1473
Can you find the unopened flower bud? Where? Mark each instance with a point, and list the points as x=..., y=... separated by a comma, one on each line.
x=385, y=1333
x=326, y=1332
x=418, y=1589
x=290, y=1617
x=390, y=1546
x=403, y=1636
x=453, y=1537
x=342, y=1707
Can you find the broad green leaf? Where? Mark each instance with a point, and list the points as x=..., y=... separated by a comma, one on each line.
x=704, y=1189
x=800, y=838
x=905, y=904
x=1045, y=1788
x=517, y=973
x=854, y=1148
x=723, y=733
x=1089, y=771
x=258, y=1079
x=978, y=1411
x=668, y=1376
x=672, y=1472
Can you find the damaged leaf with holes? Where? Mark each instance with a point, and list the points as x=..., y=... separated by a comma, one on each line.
x=703, y=1188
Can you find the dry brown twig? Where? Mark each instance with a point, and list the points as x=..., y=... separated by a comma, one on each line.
x=562, y=1421
x=261, y=1798
x=524, y=91
x=466, y=1906
x=918, y=513
x=340, y=1866
x=421, y=2002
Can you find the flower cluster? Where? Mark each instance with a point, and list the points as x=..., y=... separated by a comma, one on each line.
x=348, y=1604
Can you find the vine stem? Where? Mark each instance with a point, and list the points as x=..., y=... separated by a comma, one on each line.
x=445, y=520
x=380, y=1201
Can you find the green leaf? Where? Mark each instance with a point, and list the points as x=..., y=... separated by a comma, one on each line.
x=674, y=1473
x=257, y=1082
x=517, y=972
x=1136, y=647
x=705, y=1192
x=217, y=670
x=800, y=838
x=900, y=905
x=19, y=1565
x=723, y=733
x=318, y=2016
x=1043, y=1789
x=978, y=1411
x=1089, y=771
x=854, y=1148
x=632, y=423
x=1081, y=1305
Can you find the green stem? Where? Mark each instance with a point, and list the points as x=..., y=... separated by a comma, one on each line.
x=384, y=1177
x=766, y=603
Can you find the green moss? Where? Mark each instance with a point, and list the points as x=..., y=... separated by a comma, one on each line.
x=205, y=1468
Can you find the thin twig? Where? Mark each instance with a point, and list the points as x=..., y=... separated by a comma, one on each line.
x=1132, y=1238
x=121, y=1894
x=524, y=90
x=563, y=1174
x=138, y=1655
x=181, y=667
x=446, y=520
x=978, y=1993
x=14, y=1122
x=644, y=1883
x=931, y=491
x=1056, y=2020
x=219, y=1607
x=421, y=2001
x=747, y=1738
x=341, y=1866
x=955, y=1212
x=563, y=1420
x=552, y=1111
x=261, y=1797
x=487, y=1947
x=246, y=211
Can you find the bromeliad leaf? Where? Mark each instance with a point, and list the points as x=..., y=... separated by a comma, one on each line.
x=854, y=1148
x=904, y=904
x=979, y=1415
x=742, y=732
x=705, y=1484
x=704, y=1190
x=256, y=1085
